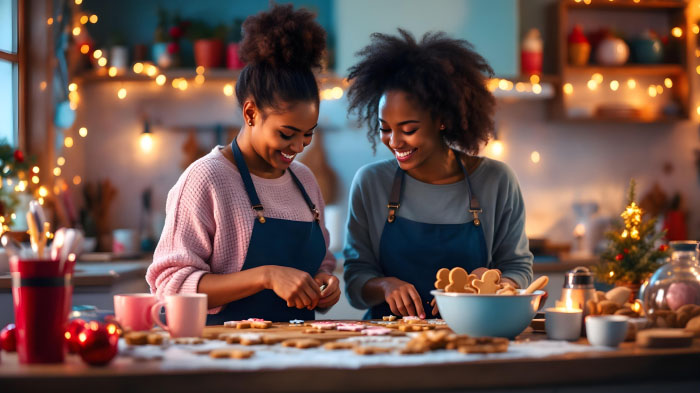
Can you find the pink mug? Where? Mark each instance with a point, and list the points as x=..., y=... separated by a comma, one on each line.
x=133, y=310
x=186, y=314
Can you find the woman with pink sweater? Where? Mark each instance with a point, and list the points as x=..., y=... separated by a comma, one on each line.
x=245, y=223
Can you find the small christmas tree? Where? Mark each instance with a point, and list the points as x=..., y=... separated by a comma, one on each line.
x=632, y=254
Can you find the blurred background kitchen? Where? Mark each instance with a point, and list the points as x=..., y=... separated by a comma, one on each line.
x=104, y=103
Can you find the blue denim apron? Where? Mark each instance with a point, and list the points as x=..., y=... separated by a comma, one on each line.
x=414, y=251
x=296, y=244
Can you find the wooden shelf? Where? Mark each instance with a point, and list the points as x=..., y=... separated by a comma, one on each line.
x=631, y=16
x=212, y=74
x=636, y=69
x=621, y=120
x=627, y=5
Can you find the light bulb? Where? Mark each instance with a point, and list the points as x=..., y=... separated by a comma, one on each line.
x=146, y=142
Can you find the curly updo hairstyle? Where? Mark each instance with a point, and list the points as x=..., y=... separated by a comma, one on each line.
x=444, y=75
x=280, y=47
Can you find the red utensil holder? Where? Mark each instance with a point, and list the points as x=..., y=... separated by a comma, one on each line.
x=41, y=296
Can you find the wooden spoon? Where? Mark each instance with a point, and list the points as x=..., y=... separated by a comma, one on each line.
x=540, y=283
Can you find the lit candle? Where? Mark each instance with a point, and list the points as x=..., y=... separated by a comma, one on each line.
x=563, y=323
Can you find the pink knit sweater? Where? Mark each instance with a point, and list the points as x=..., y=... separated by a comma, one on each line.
x=209, y=221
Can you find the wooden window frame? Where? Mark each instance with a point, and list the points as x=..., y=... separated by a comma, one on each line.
x=20, y=58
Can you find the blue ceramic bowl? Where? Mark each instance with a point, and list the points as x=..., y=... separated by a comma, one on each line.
x=487, y=315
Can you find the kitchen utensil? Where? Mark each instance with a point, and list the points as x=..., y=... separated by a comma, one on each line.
x=538, y=284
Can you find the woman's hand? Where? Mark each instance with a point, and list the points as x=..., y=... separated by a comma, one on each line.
x=402, y=297
x=293, y=285
x=435, y=307
x=331, y=294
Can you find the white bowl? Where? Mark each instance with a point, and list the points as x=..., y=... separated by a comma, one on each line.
x=487, y=315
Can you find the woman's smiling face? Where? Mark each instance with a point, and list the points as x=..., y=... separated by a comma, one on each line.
x=410, y=132
x=281, y=135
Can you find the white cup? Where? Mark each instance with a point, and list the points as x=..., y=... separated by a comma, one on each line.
x=562, y=323
x=606, y=330
x=186, y=314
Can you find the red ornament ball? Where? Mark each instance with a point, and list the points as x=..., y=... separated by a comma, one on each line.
x=72, y=332
x=619, y=257
x=626, y=251
x=8, y=338
x=19, y=156
x=176, y=32
x=98, y=343
x=173, y=48
x=663, y=247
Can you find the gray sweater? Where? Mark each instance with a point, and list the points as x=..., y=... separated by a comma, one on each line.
x=503, y=219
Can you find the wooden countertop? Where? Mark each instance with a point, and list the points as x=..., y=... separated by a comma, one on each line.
x=97, y=273
x=629, y=365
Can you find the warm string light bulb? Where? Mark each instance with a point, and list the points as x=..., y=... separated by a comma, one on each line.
x=614, y=85
x=83, y=132
x=568, y=88
x=228, y=90
x=121, y=93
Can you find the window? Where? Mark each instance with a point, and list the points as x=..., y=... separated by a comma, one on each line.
x=9, y=71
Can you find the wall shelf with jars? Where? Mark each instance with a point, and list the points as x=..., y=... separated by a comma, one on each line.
x=624, y=60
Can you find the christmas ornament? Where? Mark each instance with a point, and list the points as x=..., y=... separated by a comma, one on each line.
x=75, y=327
x=98, y=343
x=8, y=338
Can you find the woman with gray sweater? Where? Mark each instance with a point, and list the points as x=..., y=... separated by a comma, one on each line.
x=437, y=204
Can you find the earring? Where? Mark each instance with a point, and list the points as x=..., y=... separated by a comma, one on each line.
x=442, y=126
x=250, y=122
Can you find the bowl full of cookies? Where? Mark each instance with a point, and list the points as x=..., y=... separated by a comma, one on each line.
x=485, y=306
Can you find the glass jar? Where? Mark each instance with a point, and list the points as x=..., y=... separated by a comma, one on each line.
x=675, y=283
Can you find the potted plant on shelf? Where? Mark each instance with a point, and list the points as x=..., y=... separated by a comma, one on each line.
x=233, y=60
x=632, y=254
x=208, y=44
x=166, y=47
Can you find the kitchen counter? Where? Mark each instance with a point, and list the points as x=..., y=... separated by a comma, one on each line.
x=627, y=369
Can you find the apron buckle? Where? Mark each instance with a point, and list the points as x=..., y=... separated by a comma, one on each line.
x=317, y=214
x=392, y=211
x=259, y=210
x=475, y=213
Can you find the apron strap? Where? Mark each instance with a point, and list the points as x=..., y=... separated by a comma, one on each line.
x=250, y=187
x=474, y=206
x=308, y=200
x=395, y=196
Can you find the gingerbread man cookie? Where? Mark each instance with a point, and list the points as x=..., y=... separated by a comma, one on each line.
x=443, y=278
x=489, y=282
x=459, y=280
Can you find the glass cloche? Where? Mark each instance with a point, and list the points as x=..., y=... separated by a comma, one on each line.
x=675, y=283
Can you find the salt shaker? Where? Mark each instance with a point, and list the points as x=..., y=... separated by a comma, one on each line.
x=578, y=288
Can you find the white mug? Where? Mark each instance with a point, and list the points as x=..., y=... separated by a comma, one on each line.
x=186, y=314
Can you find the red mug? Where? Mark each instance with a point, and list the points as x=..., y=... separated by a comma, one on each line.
x=41, y=293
